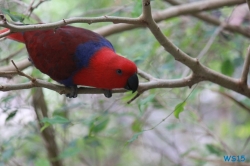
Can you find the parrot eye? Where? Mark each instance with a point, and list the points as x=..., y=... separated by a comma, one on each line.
x=119, y=71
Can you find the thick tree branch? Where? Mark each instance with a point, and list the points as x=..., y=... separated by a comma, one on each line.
x=158, y=16
x=206, y=48
x=48, y=134
x=184, y=9
x=89, y=20
x=199, y=71
x=214, y=21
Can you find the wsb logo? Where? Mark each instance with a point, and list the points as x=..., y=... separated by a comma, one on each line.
x=240, y=158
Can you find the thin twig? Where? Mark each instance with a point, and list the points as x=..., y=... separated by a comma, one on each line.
x=246, y=66
x=145, y=75
x=89, y=20
x=135, y=97
x=226, y=147
x=240, y=104
x=31, y=8
x=22, y=73
x=199, y=70
x=23, y=64
x=207, y=46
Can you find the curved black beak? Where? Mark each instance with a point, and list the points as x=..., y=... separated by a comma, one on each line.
x=132, y=83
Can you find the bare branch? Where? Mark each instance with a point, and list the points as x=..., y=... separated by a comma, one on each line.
x=7, y=74
x=207, y=46
x=158, y=16
x=240, y=104
x=89, y=20
x=175, y=11
x=135, y=97
x=246, y=68
x=21, y=65
x=22, y=73
x=48, y=134
x=31, y=8
x=221, y=141
x=145, y=75
x=58, y=88
x=199, y=71
x=248, y=3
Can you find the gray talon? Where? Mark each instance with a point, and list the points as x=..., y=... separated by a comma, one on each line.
x=73, y=92
x=108, y=93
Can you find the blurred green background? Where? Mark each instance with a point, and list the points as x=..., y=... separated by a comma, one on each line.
x=92, y=130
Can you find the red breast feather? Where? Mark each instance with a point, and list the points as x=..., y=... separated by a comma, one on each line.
x=107, y=70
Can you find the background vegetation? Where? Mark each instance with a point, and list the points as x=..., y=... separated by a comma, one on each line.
x=40, y=127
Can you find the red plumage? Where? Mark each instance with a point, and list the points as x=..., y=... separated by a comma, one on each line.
x=77, y=56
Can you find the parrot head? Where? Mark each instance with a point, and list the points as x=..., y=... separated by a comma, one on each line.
x=75, y=56
x=107, y=70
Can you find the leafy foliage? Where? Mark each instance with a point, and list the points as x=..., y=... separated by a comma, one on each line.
x=13, y=15
x=91, y=129
x=227, y=67
x=179, y=108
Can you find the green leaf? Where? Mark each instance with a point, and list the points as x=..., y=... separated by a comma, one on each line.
x=134, y=137
x=11, y=115
x=136, y=126
x=7, y=98
x=42, y=162
x=144, y=101
x=98, y=124
x=44, y=126
x=13, y=15
x=128, y=96
x=214, y=149
x=179, y=108
x=147, y=99
x=56, y=120
x=227, y=67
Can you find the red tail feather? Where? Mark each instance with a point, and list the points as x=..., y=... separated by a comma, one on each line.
x=14, y=36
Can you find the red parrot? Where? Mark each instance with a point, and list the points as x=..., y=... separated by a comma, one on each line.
x=75, y=56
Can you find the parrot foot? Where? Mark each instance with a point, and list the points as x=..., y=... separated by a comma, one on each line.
x=73, y=92
x=107, y=93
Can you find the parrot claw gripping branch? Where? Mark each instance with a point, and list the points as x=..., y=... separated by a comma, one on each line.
x=75, y=56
